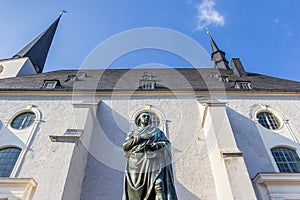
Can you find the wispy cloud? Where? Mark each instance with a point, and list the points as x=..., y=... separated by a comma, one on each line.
x=208, y=15
x=276, y=20
x=281, y=24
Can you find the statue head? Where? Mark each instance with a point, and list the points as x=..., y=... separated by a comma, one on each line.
x=144, y=119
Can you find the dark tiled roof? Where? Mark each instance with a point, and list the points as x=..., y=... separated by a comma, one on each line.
x=166, y=79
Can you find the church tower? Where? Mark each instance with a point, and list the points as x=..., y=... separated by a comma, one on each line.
x=31, y=59
x=217, y=55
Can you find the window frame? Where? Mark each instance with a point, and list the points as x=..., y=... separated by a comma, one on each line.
x=28, y=108
x=51, y=84
x=243, y=85
x=15, y=164
x=267, y=108
x=270, y=118
x=23, y=120
x=284, y=161
x=147, y=84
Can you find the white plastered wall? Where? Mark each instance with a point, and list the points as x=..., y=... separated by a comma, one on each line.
x=257, y=141
x=16, y=67
x=244, y=110
x=192, y=170
x=45, y=161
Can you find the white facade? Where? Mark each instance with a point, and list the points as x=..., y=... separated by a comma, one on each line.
x=212, y=142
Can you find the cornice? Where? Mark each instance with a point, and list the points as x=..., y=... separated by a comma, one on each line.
x=243, y=93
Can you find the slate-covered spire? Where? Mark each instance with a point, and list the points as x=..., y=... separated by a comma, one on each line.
x=37, y=50
x=217, y=55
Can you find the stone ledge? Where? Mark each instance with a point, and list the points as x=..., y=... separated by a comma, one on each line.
x=70, y=135
x=277, y=185
x=231, y=153
x=85, y=104
x=17, y=188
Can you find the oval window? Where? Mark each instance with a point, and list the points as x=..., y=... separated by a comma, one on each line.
x=268, y=120
x=23, y=120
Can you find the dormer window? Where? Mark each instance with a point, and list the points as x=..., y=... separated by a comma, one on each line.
x=147, y=76
x=243, y=85
x=223, y=79
x=213, y=75
x=71, y=78
x=81, y=75
x=147, y=85
x=51, y=84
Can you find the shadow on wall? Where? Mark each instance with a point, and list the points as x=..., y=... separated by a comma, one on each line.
x=101, y=179
x=184, y=193
x=250, y=143
x=103, y=182
x=113, y=125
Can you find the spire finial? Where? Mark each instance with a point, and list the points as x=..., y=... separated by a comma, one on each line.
x=62, y=12
x=207, y=31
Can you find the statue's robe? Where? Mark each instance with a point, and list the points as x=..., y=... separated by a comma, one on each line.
x=146, y=161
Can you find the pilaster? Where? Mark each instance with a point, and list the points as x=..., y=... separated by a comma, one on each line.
x=228, y=167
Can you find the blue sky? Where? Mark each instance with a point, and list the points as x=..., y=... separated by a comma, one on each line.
x=265, y=35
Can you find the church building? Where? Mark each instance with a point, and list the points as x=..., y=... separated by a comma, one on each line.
x=234, y=134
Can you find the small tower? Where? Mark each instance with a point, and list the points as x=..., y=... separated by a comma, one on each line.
x=217, y=56
x=31, y=59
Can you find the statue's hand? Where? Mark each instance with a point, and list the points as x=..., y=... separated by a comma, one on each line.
x=146, y=136
x=156, y=146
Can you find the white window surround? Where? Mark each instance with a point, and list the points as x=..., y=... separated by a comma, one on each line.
x=24, y=135
x=268, y=120
x=265, y=108
x=29, y=108
x=23, y=120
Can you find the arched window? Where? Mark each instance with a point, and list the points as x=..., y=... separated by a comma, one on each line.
x=23, y=120
x=153, y=118
x=286, y=159
x=8, y=159
x=268, y=120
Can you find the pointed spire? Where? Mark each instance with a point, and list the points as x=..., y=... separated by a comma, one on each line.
x=213, y=45
x=218, y=56
x=38, y=49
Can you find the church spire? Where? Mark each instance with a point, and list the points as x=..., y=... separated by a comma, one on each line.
x=37, y=50
x=217, y=55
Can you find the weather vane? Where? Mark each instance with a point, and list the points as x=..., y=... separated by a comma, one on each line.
x=62, y=12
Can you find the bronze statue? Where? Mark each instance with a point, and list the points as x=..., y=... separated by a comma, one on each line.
x=148, y=174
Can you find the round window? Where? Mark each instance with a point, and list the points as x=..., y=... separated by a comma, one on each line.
x=154, y=119
x=23, y=120
x=268, y=120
